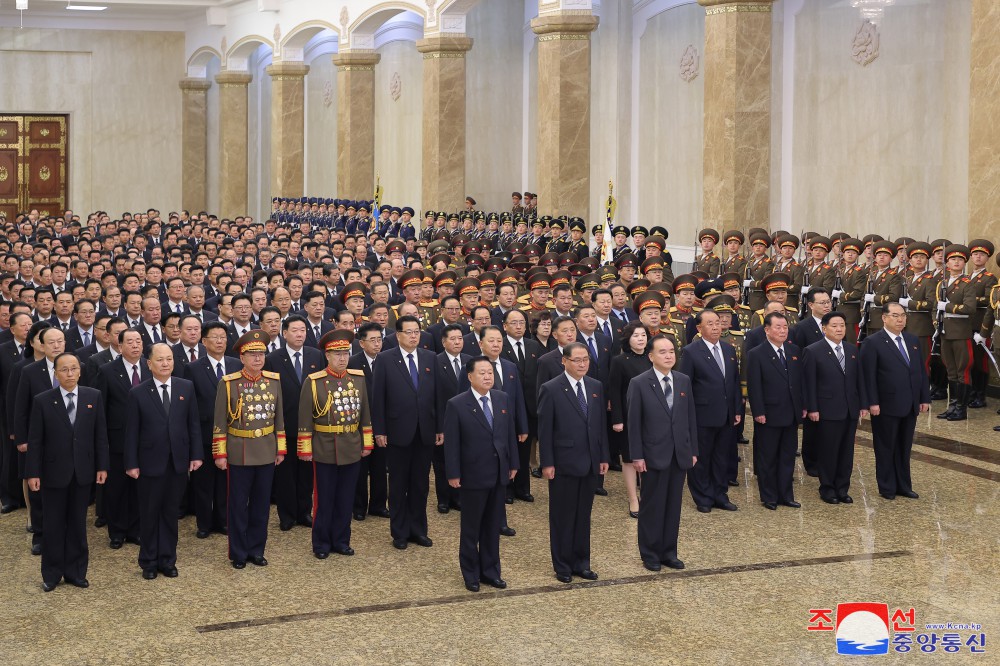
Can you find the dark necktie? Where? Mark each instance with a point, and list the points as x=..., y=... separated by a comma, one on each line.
x=840, y=358
x=298, y=366
x=668, y=393
x=607, y=329
x=135, y=375
x=902, y=349
x=194, y=357
x=70, y=408
x=218, y=371
x=781, y=357
x=413, y=371
x=581, y=397
x=593, y=348
x=520, y=355
x=65, y=328
x=86, y=338
x=499, y=374
x=156, y=334
x=166, y=400
x=316, y=330
x=458, y=370
x=486, y=410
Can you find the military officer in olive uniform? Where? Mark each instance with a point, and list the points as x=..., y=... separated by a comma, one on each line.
x=982, y=279
x=735, y=261
x=853, y=282
x=956, y=299
x=707, y=261
x=918, y=297
x=335, y=432
x=248, y=440
x=577, y=244
x=885, y=283
x=775, y=287
x=759, y=266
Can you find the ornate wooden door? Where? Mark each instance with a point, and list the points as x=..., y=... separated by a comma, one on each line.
x=34, y=164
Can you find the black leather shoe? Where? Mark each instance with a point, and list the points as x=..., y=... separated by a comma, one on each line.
x=910, y=494
x=586, y=574
x=457, y=506
x=8, y=508
x=846, y=499
x=344, y=551
x=525, y=497
x=600, y=492
x=169, y=572
x=791, y=504
x=507, y=531
x=743, y=440
x=727, y=506
x=422, y=541
x=813, y=473
x=770, y=505
x=472, y=587
x=239, y=564
x=615, y=467
x=498, y=583
x=48, y=587
x=321, y=555
x=100, y=522
x=652, y=566
x=149, y=574
x=537, y=472
x=443, y=508
x=830, y=500
x=887, y=496
x=306, y=522
x=704, y=509
x=81, y=583
x=135, y=541
x=285, y=526
x=29, y=529
x=564, y=578
x=733, y=484
x=674, y=563
x=381, y=513
x=359, y=516
x=399, y=544
x=224, y=531
x=996, y=428
x=36, y=549
x=633, y=514
x=202, y=534
x=258, y=560
x=508, y=500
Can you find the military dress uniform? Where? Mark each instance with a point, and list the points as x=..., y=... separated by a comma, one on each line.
x=956, y=298
x=918, y=298
x=853, y=283
x=249, y=433
x=335, y=430
x=983, y=281
x=757, y=269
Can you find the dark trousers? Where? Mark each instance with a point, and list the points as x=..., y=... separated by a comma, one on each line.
x=372, y=492
x=333, y=500
x=445, y=494
x=522, y=482
x=893, y=440
x=121, y=501
x=159, y=505
x=409, y=483
x=660, y=513
x=208, y=487
x=810, y=446
x=571, y=500
x=64, y=545
x=709, y=479
x=11, y=491
x=775, y=461
x=835, y=460
x=479, y=541
x=293, y=489
x=733, y=453
x=249, y=509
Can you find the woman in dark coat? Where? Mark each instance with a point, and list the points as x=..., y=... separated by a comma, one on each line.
x=631, y=362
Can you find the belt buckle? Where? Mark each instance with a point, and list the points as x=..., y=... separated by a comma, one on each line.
x=257, y=432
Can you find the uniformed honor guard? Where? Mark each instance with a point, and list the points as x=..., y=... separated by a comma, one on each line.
x=707, y=260
x=248, y=440
x=335, y=433
x=980, y=251
x=956, y=300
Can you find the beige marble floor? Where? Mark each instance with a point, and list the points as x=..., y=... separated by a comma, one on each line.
x=752, y=577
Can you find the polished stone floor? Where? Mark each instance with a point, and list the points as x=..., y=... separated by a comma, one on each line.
x=752, y=577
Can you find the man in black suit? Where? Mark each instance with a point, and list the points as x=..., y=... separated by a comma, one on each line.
x=662, y=454
x=113, y=327
x=596, y=343
x=451, y=313
x=372, y=475
x=149, y=327
x=835, y=397
x=551, y=364
x=162, y=445
x=897, y=391
x=67, y=453
x=451, y=379
x=479, y=445
x=114, y=381
x=803, y=334
x=524, y=353
x=405, y=420
x=573, y=448
x=293, y=480
x=189, y=349
x=316, y=324
x=11, y=492
x=81, y=333
x=774, y=387
x=208, y=483
x=710, y=364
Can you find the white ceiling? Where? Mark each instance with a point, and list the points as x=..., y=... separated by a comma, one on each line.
x=47, y=13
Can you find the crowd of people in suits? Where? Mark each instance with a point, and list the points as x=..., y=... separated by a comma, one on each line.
x=159, y=367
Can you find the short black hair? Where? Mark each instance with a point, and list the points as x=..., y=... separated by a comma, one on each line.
x=470, y=365
x=405, y=318
x=829, y=316
x=770, y=317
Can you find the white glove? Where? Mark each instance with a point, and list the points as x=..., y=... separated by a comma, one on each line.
x=869, y=298
x=837, y=293
x=942, y=305
x=905, y=302
x=978, y=338
x=747, y=283
x=805, y=289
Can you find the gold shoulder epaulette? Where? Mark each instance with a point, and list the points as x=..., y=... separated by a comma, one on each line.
x=789, y=308
x=352, y=371
x=317, y=375
x=231, y=376
x=739, y=333
x=269, y=374
x=760, y=312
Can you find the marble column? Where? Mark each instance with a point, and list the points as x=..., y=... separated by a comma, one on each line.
x=194, y=147
x=288, y=127
x=233, y=170
x=356, y=123
x=984, y=131
x=563, y=148
x=443, y=185
x=737, y=158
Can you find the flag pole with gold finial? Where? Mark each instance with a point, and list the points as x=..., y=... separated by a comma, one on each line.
x=608, y=247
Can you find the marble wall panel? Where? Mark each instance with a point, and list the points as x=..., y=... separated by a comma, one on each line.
x=399, y=123
x=984, y=130
x=321, y=128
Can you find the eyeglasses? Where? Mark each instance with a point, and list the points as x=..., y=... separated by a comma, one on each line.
x=413, y=332
x=896, y=315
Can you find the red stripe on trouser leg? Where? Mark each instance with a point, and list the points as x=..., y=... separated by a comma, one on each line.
x=927, y=357
x=967, y=371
